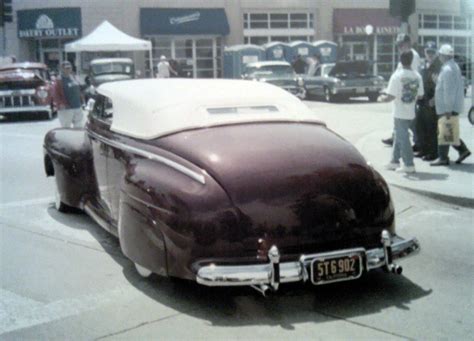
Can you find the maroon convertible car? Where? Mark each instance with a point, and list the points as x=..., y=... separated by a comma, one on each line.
x=226, y=183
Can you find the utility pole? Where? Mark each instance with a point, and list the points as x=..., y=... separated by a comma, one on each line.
x=402, y=9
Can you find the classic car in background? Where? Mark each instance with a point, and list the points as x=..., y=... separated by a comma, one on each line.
x=343, y=80
x=26, y=88
x=226, y=183
x=278, y=73
x=105, y=70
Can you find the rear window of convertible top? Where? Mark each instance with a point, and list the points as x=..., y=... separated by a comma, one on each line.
x=243, y=110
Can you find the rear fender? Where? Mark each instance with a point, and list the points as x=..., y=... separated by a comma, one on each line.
x=68, y=157
x=157, y=207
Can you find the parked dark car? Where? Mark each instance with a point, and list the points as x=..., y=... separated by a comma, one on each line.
x=343, y=80
x=226, y=183
x=278, y=73
x=26, y=88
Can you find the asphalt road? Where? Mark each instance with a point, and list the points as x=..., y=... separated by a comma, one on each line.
x=63, y=277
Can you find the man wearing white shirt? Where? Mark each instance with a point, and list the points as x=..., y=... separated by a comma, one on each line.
x=404, y=88
x=403, y=42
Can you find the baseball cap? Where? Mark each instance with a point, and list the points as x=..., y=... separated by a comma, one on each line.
x=403, y=38
x=446, y=50
x=430, y=46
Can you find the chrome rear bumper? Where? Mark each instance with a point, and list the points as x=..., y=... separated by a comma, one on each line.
x=270, y=275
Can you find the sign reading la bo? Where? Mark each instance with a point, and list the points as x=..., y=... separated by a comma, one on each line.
x=49, y=23
x=388, y=30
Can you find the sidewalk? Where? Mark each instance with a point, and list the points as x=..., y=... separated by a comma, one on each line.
x=454, y=183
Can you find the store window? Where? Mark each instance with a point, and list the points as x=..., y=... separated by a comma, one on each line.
x=443, y=22
x=261, y=28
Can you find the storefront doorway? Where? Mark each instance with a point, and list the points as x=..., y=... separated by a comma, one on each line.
x=193, y=57
x=191, y=38
x=51, y=52
x=356, y=50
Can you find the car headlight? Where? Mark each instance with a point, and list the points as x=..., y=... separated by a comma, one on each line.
x=340, y=83
x=42, y=93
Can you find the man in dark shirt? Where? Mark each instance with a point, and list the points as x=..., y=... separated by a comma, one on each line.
x=426, y=118
x=68, y=98
x=299, y=65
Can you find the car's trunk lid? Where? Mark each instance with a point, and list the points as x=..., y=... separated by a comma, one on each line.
x=297, y=185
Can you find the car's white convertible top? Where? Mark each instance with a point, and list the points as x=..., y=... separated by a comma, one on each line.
x=150, y=108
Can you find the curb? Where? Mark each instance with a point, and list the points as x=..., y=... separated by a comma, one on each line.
x=449, y=199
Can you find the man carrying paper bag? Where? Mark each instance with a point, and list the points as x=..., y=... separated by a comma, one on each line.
x=449, y=101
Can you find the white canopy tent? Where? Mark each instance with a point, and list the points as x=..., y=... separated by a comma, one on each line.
x=107, y=37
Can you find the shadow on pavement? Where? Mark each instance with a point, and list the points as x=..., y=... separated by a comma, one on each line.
x=426, y=176
x=292, y=304
x=241, y=306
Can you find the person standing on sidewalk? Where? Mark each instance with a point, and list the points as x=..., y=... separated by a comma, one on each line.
x=68, y=98
x=164, y=68
x=404, y=87
x=403, y=42
x=449, y=101
x=426, y=118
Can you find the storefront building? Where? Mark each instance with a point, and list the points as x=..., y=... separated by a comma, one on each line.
x=45, y=31
x=367, y=34
x=195, y=33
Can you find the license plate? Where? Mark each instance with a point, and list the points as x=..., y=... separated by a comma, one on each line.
x=360, y=91
x=336, y=268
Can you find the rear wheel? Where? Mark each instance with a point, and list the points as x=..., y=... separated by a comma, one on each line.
x=328, y=96
x=470, y=115
x=373, y=97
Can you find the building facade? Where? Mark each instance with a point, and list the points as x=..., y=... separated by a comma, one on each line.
x=194, y=33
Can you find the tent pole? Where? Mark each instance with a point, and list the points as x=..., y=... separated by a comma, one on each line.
x=151, y=65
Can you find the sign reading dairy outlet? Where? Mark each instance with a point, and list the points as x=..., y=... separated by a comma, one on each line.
x=50, y=23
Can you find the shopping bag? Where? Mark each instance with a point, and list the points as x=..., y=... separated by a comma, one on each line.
x=448, y=131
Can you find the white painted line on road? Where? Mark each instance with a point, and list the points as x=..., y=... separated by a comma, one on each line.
x=30, y=202
x=20, y=312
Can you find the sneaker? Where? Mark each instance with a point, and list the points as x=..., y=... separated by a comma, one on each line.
x=463, y=156
x=440, y=162
x=392, y=166
x=429, y=157
x=388, y=141
x=405, y=169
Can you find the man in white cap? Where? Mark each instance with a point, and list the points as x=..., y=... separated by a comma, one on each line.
x=449, y=101
x=164, y=68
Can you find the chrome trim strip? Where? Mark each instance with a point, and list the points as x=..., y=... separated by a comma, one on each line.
x=261, y=274
x=17, y=92
x=151, y=156
x=42, y=108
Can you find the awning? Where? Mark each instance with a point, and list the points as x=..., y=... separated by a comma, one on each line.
x=365, y=21
x=50, y=23
x=179, y=21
